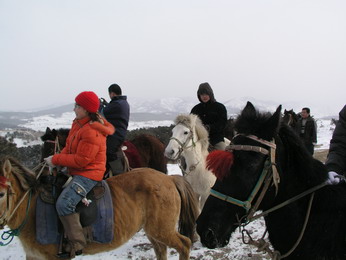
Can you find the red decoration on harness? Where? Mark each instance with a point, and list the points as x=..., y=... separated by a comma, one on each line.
x=3, y=182
x=220, y=163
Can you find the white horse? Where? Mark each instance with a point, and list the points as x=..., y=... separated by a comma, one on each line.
x=190, y=140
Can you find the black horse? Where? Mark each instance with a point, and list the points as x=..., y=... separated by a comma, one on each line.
x=290, y=118
x=252, y=182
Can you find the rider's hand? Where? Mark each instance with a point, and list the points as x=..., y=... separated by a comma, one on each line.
x=103, y=101
x=334, y=178
x=48, y=160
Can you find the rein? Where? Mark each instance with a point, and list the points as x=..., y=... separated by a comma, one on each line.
x=9, y=234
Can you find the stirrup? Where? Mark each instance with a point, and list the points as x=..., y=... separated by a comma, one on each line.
x=67, y=255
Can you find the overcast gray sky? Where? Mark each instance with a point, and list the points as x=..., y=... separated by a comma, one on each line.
x=279, y=50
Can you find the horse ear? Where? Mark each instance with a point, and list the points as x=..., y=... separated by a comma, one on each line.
x=249, y=109
x=7, y=168
x=274, y=120
x=48, y=130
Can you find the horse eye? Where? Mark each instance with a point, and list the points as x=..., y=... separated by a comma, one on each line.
x=2, y=194
x=186, y=132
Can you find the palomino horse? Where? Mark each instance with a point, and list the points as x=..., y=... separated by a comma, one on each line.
x=143, y=198
x=190, y=140
x=269, y=169
x=142, y=151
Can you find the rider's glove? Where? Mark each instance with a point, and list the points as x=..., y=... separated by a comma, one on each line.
x=334, y=178
x=48, y=160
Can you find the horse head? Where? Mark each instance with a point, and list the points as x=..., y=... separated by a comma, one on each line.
x=290, y=118
x=15, y=180
x=234, y=191
x=188, y=131
x=53, y=141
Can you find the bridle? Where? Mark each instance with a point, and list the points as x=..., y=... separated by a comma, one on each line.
x=183, y=146
x=268, y=174
x=56, y=143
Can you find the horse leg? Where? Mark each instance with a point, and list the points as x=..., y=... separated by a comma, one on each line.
x=173, y=239
x=202, y=199
x=159, y=248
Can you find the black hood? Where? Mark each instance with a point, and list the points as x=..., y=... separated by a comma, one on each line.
x=205, y=88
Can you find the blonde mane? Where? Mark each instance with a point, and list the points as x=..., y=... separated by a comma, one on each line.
x=25, y=176
x=194, y=122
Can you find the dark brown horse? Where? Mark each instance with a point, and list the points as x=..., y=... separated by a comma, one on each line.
x=143, y=198
x=142, y=151
x=290, y=118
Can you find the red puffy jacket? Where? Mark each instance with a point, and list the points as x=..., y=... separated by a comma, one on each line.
x=85, y=150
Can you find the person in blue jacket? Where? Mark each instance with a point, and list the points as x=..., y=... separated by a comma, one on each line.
x=117, y=112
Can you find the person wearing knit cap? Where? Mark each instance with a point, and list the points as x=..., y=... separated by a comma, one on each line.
x=85, y=158
x=213, y=115
x=117, y=112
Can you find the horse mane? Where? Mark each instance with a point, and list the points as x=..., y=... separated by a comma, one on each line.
x=252, y=122
x=25, y=176
x=193, y=121
x=305, y=166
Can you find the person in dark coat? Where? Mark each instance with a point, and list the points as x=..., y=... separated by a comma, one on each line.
x=213, y=115
x=336, y=160
x=307, y=130
x=117, y=112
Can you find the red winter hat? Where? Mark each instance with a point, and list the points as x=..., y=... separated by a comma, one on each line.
x=88, y=100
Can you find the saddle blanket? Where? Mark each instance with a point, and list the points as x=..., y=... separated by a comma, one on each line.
x=47, y=220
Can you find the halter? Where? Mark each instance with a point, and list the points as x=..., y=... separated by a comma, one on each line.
x=269, y=172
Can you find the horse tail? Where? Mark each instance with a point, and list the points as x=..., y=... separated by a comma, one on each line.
x=219, y=163
x=189, y=207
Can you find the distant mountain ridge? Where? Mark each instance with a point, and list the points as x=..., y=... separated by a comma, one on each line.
x=157, y=109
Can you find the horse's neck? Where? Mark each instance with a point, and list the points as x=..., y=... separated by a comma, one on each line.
x=195, y=156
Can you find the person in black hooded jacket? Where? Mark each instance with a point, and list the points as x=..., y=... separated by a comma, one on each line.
x=336, y=160
x=213, y=115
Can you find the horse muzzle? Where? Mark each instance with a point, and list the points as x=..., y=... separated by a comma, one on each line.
x=210, y=239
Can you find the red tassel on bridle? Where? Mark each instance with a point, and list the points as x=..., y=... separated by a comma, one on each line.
x=3, y=182
x=220, y=163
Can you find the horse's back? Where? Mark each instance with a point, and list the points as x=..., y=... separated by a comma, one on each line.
x=141, y=197
x=142, y=186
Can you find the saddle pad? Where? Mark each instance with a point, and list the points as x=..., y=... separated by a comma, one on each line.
x=47, y=220
x=103, y=227
x=46, y=223
x=132, y=155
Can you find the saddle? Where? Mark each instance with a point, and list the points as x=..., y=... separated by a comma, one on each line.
x=96, y=215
